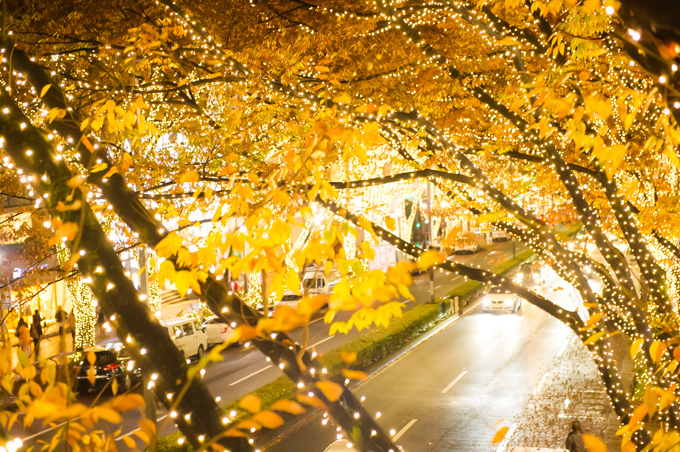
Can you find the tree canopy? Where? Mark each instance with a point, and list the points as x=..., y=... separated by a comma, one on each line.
x=213, y=132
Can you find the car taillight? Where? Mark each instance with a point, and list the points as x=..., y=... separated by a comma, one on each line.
x=111, y=367
x=225, y=329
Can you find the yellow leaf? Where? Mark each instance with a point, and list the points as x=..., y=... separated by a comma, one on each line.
x=232, y=432
x=76, y=181
x=390, y=223
x=251, y=403
x=288, y=406
x=268, y=419
x=99, y=167
x=593, y=443
x=127, y=401
x=656, y=350
x=638, y=414
x=129, y=442
x=107, y=414
x=249, y=425
x=594, y=338
x=114, y=386
x=353, y=374
x=188, y=177
x=635, y=347
x=348, y=357
x=44, y=90
x=500, y=434
x=592, y=321
x=342, y=98
x=143, y=436
x=332, y=391
x=430, y=258
x=311, y=401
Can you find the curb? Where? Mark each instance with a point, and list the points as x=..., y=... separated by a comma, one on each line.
x=272, y=437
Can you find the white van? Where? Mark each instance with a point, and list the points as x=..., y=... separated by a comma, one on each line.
x=316, y=282
x=188, y=335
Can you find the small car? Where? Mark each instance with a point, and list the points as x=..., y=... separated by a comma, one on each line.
x=530, y=274
x=466, y=247
x=111, y=362
x=216, y=330
x=498, y=299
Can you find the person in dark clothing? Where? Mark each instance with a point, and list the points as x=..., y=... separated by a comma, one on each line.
x=36, y=331
x=60, y=317
x=575, y=438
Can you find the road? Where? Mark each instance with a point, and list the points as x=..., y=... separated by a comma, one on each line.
x=245, y=369
x=455, y=389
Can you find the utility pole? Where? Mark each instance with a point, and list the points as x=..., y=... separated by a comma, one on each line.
x=149, y=397
x=430, y=236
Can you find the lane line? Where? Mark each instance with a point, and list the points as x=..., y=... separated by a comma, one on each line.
x=540, y=383
x=492, y=345
x=248, y=376
x=44, y=431
x=138, y=429
x=437, y=287
x=454, y=382
x=322, y=341
x=403, y=430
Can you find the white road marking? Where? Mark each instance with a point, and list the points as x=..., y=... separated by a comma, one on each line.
x=437, y=287
x=492, y=345
x=248, y=376
x=403, y=430
x=454, y=382
x=322, y=341
x=44, y=431
x=138, y=429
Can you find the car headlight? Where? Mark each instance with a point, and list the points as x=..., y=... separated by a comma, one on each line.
x=536, y=275
x=486, y=301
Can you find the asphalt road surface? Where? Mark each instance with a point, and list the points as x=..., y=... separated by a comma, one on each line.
x=245, y=369
x=457, y=388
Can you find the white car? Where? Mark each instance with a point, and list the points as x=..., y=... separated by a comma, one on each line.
x=500, y=236
x=498, y=299
x=466, y=247
x=216, y=330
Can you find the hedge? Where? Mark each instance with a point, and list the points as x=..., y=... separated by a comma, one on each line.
x=370, y=348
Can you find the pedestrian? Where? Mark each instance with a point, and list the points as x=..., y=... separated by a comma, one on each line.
x=24, y=336
x=60, y=317
x=72, y=326
x=575, y=438
x=100, y=321
x=36, y=331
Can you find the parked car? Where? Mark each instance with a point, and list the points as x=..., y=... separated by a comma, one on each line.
x=216, y=330
x=110, y=362
x=500, y=236
x=466, y=247
x=498, y=299
x=188, y=336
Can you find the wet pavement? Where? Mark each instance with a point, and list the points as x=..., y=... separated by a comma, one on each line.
x=570, y=389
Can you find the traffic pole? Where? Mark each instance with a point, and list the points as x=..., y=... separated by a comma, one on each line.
x=430, y=237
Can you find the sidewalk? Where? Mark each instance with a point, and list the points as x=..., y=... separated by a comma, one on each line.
x=52, y=345
x=570, y=389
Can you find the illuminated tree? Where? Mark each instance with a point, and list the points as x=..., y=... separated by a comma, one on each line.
x=235, y=129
